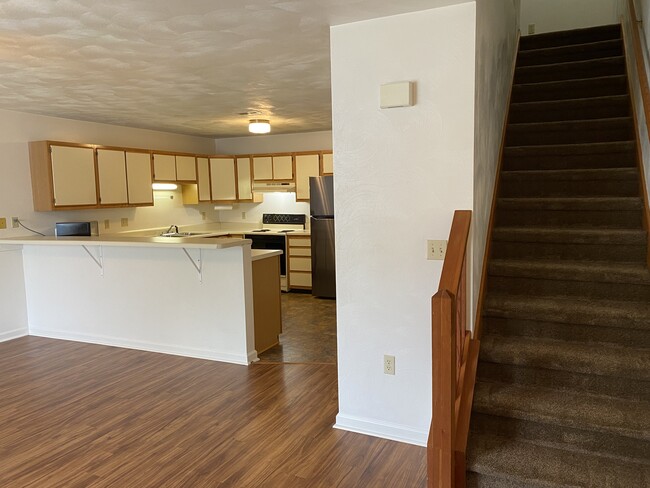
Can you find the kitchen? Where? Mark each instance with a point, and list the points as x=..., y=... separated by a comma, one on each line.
x=112, y=181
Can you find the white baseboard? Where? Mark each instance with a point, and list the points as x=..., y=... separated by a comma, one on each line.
x=13, y=334
x=384, y=430
x=143, y=346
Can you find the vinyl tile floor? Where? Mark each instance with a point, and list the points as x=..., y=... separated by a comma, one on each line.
x=309, y=331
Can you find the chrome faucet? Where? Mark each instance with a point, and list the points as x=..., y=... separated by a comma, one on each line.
x=172, y=227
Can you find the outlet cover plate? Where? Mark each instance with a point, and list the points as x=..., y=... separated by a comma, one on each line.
x=389, y=364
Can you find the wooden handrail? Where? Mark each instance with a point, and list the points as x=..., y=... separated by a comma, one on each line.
x=644, y=88
x=454, y=358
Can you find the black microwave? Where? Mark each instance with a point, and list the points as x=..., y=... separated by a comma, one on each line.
x=76, y=229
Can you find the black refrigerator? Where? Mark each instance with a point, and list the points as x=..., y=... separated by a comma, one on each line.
x=323, y=269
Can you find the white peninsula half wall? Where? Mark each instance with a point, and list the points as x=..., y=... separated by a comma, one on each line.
x=190, y=297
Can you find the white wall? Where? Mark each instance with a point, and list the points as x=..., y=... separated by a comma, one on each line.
x=556, y=15
x=400, y=174
x=304, y=141
x=16, y=130
x=497, y=22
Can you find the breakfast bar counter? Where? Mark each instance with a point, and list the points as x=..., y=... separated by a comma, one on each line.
x=184, y=296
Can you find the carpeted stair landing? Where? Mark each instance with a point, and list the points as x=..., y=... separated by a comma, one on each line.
x=563, y=385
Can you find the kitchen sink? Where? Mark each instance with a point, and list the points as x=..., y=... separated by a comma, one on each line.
x=183, y=234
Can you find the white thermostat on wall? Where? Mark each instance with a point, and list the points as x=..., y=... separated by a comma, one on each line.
x=399, y=94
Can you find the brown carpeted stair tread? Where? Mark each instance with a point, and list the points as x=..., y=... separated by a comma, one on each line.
x=582, y=175
x=561, y=437
x=627, y=418
x=571, y=236
x=570, y=37
x=617, y=314
x=598, y=86
x=573, y=52
x=614, y=65
x=570, y=132
x=585, y=203
x=571, y=356
x=571, y=109
x=507, y=464
x=585, y=271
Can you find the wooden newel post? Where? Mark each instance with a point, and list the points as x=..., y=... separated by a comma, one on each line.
x=440, y=451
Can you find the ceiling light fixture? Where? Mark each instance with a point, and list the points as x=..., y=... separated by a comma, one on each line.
x=259, y=126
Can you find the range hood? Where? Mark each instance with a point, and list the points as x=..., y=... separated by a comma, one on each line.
x=273, y=186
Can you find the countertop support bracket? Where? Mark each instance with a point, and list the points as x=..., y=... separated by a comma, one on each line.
x=99, y=260
x=198, y=264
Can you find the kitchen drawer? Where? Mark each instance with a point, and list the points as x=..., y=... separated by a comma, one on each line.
x=302, y=280
x=299, y=251
x=299, y=264
x=299, y=241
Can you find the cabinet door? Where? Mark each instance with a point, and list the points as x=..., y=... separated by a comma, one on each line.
x=203, y=180
x=222, y=173
x=73, y=176
x=244, y=180
x=263, y=168
x=164, y=167
x=186, y=168
x=328, y=164
x=282, y=168
x=111, y=171
x=139, y=178
x=307, y=165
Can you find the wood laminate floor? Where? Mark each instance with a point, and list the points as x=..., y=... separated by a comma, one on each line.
x=308, y=331
x=80, y=415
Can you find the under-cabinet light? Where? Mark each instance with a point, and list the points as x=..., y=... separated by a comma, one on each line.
x=164, y=186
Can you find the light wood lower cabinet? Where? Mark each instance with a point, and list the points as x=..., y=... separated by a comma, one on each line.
x=267, y=302
x=299, y=262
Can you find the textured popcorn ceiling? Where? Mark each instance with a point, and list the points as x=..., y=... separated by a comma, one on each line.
x=186, y=66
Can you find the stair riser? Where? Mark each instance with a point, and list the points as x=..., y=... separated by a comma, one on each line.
x=574, y=53
x=580, y=289
x=527, y=136
x=538, y=159
x=560, y=112
x=531, y=187
x=570, y=90
x=565, y=38
x=612, y=446
x=625, y=253
x=570, y=71
x=615, y=219
x=537, y=329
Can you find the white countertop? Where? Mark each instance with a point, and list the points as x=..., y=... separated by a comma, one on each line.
x=124, y=241
x=258, y=254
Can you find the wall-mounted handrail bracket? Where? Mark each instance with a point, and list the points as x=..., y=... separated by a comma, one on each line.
x=99, y=260
x=197, y=263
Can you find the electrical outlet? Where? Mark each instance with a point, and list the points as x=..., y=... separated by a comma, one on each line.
x=203, y=216
x=436, y=250
x=531, y=28
x=125, y=222
x=14, y=223
x=3, y=223
x=107, y=224
x=243, y=215
x=389, y=364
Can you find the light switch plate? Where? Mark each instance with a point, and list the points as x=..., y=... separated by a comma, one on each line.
x=436, y=250
x=394, y=95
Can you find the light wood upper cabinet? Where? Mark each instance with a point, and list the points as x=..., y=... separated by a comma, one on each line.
x=73, y=176
x=223, y=179
x=203, y=179
x=282, y=168
x=185, y=168
x=139, y=178
x=111, y=172
x=244, y=180
x=328, y=164
x=307, y=165
x=262, y=168
x=164, y=167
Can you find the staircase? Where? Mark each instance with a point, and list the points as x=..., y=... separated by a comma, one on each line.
x=562, y=396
